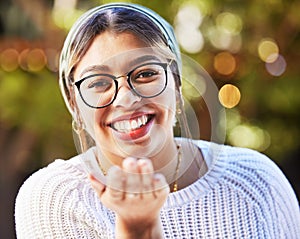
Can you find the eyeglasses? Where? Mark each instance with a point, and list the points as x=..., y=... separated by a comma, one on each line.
x=100, y=90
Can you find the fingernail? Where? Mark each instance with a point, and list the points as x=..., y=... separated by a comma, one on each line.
x=143, y=162
x=91, y=177
x=157, y=177
x=129, y=162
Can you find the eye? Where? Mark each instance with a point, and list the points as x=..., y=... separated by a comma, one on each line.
x=99, y=83
x=146, y=73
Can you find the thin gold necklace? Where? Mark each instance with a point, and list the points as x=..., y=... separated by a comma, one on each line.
x=175, y=179
x=101, y=168
x=175, y=186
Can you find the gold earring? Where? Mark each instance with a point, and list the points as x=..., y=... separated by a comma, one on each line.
x=78, y=128
x=178, y=111
x=79, y=136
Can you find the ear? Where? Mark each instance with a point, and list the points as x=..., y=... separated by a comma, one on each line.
x=178, y=95
x=71, y=100
x=74, y=107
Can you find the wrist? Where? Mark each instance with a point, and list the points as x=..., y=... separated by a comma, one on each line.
x=138, y=229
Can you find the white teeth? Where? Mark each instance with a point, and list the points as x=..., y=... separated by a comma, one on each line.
x=129, y=125
x=126, y=125
x=122, y=125
x=134, y=124
x=144, y=119
x=139, y=122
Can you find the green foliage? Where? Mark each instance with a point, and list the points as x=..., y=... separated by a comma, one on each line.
x=35, y=126
x=32, y=99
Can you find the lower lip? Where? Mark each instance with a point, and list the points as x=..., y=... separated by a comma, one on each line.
x=135, y=134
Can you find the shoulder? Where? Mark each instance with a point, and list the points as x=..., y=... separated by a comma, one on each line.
x=59, y=177
x=249, y=163
x=246, y=169
x=254, y=177
x=58, y=173
x=242, y=160
x=56, y=180
x=49, y=196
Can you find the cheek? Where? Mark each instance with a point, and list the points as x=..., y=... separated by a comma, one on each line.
x=166, y=104
x=169, y=97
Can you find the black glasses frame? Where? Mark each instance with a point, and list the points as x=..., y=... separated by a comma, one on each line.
x=128, y=77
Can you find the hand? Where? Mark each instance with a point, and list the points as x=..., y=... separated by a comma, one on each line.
x=136, y=194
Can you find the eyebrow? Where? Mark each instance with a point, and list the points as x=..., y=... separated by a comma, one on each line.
x=142, y=59
x=94, y=68
x=132, y=63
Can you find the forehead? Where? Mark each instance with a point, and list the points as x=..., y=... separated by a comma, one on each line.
x=114, y=49
x=109, y=44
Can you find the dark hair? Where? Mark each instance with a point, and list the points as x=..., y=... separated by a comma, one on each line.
x=149, y=27
x=116, y=20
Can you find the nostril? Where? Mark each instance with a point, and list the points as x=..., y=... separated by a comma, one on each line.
x=126, y=97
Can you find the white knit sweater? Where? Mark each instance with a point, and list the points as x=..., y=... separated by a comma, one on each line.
x=243, y=195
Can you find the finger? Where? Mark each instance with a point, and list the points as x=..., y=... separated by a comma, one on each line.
x=145, y=169
x=132, y=176
x=115, y=182
x=129, y=165
x=97, y=185
x=160, y=185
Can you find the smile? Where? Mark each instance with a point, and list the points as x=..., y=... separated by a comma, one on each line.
x=127, y=126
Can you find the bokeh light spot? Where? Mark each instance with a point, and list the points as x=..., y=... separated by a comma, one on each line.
x=191, y=41
x=229, y=22
x=189, y=14
x=224, y=63
x=229, y=96
x=268, y=50
x=64, y=13
x=52, y=59
x=278, y=67
x=249, y=136
x=36, y=60
x=187, y=23
x=224, y=40
x=23, y=59
x=65, y=18
x=9, y=59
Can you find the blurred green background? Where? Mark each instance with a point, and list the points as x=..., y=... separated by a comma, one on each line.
x=250, y=48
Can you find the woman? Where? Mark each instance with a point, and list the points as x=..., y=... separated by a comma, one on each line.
x=120, y=77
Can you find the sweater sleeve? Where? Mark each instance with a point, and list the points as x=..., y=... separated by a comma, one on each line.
x=278, y=202
x=285, y=204
x=58, y=202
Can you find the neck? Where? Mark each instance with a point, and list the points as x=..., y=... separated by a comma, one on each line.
x=164, y=160
x=191, y=167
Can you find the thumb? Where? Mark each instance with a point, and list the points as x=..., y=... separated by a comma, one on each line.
x=98, y=186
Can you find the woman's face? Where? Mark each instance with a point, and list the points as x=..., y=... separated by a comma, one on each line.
x=131, y=125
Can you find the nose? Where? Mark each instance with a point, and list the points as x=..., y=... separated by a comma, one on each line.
x=126, y=97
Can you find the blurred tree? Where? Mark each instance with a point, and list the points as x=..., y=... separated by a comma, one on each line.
x=231, y=39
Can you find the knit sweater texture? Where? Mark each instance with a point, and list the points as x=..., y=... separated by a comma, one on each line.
x=243, y=195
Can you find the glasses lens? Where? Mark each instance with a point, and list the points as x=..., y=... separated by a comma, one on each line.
x=98, y=90
x=149, y=80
